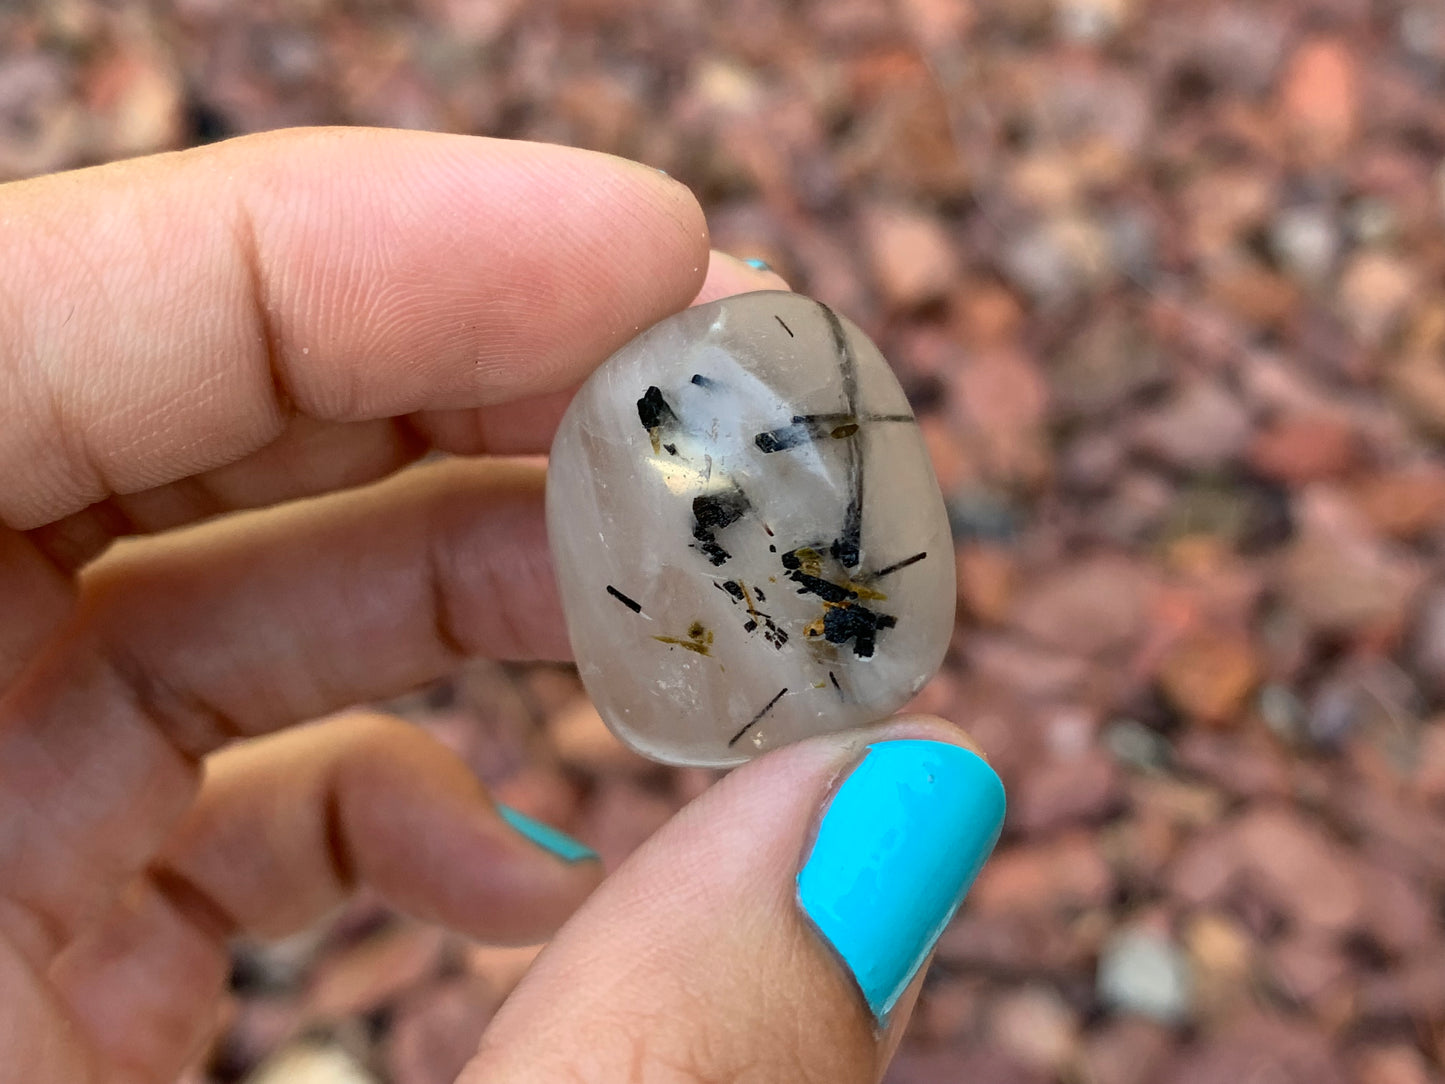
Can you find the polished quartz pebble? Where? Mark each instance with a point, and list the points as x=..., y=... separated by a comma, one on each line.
x=748, y=536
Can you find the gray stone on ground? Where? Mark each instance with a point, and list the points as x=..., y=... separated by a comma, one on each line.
x=1143, y=972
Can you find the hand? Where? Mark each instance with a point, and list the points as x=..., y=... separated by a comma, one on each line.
x=280, y=324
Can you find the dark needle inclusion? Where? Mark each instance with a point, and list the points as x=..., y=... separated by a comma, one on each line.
x=754, y=720
x=848, y=547
x=812, y=428
x=635, y=607
x=896, y=565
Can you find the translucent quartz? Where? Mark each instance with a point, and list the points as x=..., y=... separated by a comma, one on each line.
x=749, y=539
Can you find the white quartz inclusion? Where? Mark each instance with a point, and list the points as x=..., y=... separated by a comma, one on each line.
x=749, y=539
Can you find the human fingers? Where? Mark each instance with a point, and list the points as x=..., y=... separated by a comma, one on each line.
x=284, y=828
x=183, y=642
x=187, y=641
x=773, y=932
x=167, y=315
x=314, y=456
x=309, y=458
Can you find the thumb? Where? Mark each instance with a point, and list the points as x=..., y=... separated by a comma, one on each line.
x=775, y=930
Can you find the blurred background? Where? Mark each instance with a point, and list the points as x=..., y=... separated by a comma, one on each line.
x=1165, y=280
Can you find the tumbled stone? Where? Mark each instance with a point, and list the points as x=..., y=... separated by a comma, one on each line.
x=749, y=540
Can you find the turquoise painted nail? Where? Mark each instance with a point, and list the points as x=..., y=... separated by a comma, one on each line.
x=546, y=837
x=897, y=849
x=757, y=264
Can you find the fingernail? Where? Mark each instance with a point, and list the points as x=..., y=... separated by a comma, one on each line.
x=546, y=837
x=757, y=264
x=897, y=849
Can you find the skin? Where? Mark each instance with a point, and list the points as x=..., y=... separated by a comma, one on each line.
x=233, y=357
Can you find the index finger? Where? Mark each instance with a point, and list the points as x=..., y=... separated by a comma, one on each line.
x=167, y=315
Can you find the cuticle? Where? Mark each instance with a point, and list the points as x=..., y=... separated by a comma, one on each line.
x=858, y=750
x=880, y=1023
x=857, y=753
